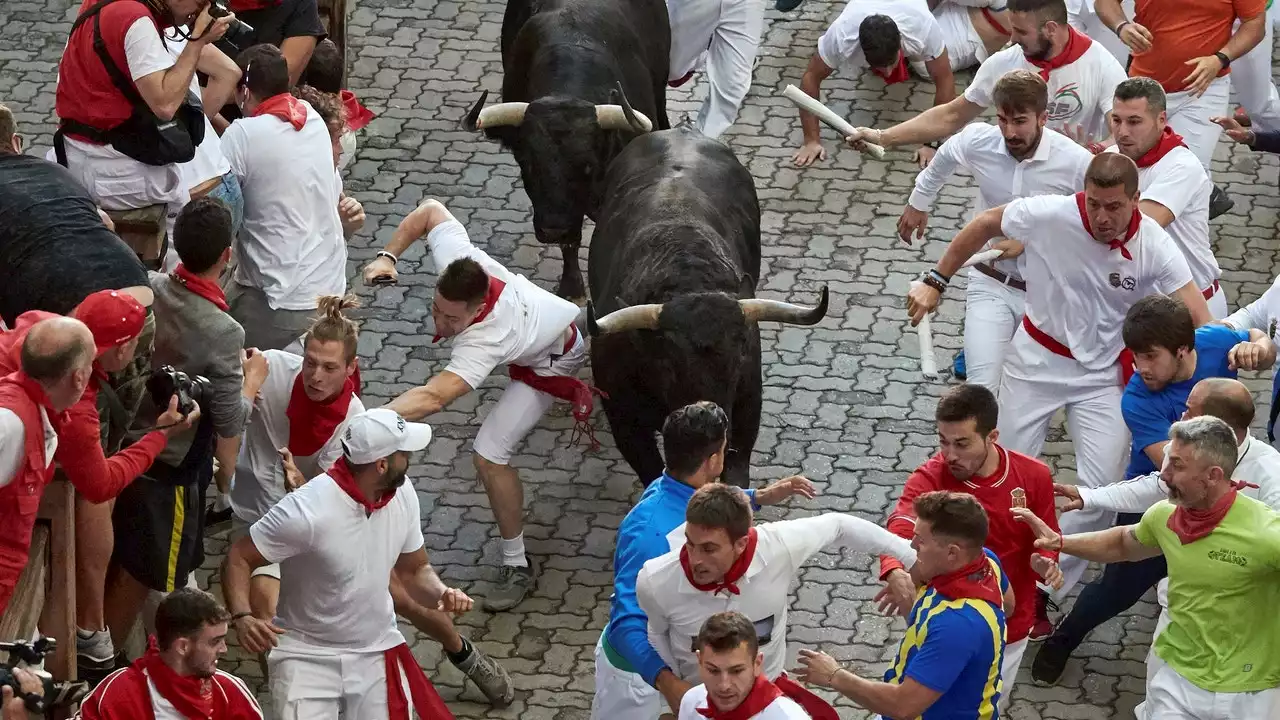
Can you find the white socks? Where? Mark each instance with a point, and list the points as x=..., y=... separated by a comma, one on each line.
x=221, y=502
x=513, y=551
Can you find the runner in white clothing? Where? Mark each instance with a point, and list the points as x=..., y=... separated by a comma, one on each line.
x=731, y=667
x=1263, y=314
x=495, y=317
x=1088, y=258
x=884, y=36
x=1081, y=76
x=1020, y=158
x=726, y=564
x=971, y=30
x=334, y=641
x=721, y=36
x=1175, y=188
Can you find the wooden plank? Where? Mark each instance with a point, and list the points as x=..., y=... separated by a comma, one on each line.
x=19, y=621
x=59, y=617
x=143, y=230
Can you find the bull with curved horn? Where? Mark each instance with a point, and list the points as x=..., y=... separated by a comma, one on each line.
x=564, y=112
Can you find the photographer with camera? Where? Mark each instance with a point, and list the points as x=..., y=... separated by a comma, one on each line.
x=178, y=677
x=12, y=707
x=127, y=117
x=198, y=357
x=294, y=26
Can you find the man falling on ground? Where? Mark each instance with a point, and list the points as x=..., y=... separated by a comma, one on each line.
x=494, y=317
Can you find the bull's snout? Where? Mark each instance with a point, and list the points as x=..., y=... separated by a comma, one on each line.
x=558, y=234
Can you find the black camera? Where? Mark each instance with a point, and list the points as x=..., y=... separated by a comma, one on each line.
x=165, y=382
x=240, y=33
x=54, y=694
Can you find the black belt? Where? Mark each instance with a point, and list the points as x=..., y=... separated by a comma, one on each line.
x=1000, y=277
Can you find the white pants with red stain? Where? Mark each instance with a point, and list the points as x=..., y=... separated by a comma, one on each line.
x=1036, y=383
x=992, y=312
x=1189, y=117
x=721, y=36
x=1256, y=91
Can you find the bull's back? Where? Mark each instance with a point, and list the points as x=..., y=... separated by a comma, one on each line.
x=631, y=27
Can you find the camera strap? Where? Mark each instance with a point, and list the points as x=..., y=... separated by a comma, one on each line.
x=115, y=409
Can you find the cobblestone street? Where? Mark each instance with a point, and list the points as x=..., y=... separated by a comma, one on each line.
x=844, y=401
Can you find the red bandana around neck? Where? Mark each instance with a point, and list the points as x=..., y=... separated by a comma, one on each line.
x=358, y=116
x=491, y=296
x=977, y=580
x=734, y=574
x=207, y=289
x=284, y=106
x=816, y=707
x=1168, y=141
x=312, y=423
x=1191, y=525
x=897, y=74
x=341, y=474
x=191, y=696
x=1077, y=44
x=761, y=696
x=1135, y=222
x=239, y=6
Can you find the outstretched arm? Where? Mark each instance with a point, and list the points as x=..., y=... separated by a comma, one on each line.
x=429, y=399
x=416, y=225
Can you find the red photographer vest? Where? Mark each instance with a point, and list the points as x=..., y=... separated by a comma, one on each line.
x=85, y=92
x=20, y=499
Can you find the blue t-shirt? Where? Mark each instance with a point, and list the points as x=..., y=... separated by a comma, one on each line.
x=1150, y=414
x=955, y=647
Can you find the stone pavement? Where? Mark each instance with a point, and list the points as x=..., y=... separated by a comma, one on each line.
x=844, y=402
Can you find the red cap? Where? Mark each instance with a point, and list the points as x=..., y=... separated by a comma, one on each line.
x=112, y=316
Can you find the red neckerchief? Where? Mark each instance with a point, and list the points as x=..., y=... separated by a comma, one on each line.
x=897, y=74
x=284, y=106
x=341, y=474
x=36, y=392
x=312, y=423
x=735, y=573
x=491, y=295
x=976, y=580
x=1168, y=141
x=814, y=706
x=1077, y=44
x=400, y=664
x=1190, y=524
x=358, y=115
x=207, y=289
x=189, y=695
x=1135, y=222
x=761, y=696
x=239, y=6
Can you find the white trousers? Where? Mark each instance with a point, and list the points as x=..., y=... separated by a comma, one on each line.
x=1189, y=117
x=1251, y=79
x=1172, y=697
x=1082, y=17
x=1013, y=653
x=311, y=687
x=723, y=34
x=622, y=695
x=1218, y=304
x=1034, y=385
x=992, y=312
x=965, y=48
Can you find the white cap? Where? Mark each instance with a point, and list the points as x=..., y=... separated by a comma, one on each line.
x=379, y=433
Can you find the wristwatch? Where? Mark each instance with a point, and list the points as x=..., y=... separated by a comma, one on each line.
x=383, y=253
x=1222, y=58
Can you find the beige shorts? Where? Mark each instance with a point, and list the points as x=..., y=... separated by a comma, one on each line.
x=239, y=529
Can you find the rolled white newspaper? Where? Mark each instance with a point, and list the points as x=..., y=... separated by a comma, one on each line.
x=924, y=333
x=828, y=116
x=982, y=257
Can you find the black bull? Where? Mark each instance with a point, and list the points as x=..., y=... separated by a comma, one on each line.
x=581, y=78
x=673, y=267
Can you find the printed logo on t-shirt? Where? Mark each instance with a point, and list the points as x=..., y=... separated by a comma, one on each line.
x=1018, y=498
x=1065, y=103
x=1229, y=556
x=1117, y=281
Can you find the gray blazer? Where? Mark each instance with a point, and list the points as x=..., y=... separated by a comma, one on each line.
x=195, y=336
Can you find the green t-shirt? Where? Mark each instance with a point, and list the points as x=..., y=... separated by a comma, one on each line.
x=1224, y=591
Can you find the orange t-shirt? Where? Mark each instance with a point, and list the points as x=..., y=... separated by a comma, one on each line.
x=1186, y=29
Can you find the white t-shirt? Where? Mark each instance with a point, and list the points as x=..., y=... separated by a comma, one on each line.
x=291, y=244
x=1057, y=167
x=209, y=161
x=922, y=38
x=526, y=326
x=1178, y=182
x=1080, y=94
x=784, y=708
x=13, y=438
x=1079, y=289
x=259, y=480
x=1261, y=314
x=335, y=566
x=677, y=610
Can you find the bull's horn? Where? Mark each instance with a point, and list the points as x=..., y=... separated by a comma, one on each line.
x=635, y=120
x=508, y=113
x=612, y=117
x=776, y=311
x=473, y=115
x=636, y=317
